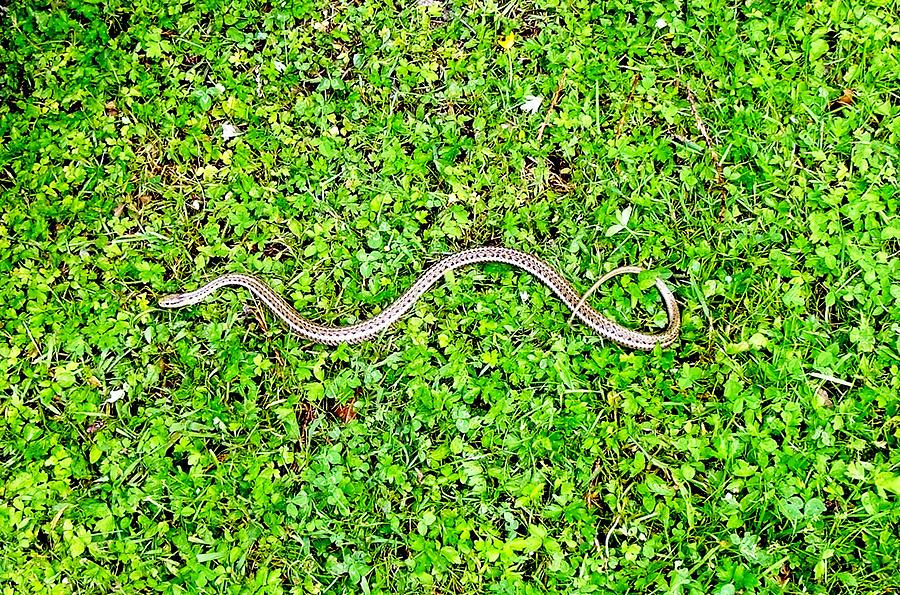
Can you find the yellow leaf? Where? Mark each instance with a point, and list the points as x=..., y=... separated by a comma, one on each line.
x=508, y=41
x=888, y=481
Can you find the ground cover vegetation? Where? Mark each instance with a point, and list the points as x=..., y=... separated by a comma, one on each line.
x=745, y=151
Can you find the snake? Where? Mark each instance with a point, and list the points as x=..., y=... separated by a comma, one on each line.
x=373, y=327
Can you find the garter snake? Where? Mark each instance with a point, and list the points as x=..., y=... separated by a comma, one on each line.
x=368, y=329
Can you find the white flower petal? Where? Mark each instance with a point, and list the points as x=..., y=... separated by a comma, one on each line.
x=229, y=131
x=661, y=23
x=114, y=395
x=532, y=103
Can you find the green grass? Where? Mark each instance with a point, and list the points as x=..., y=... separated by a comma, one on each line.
x=483, y=444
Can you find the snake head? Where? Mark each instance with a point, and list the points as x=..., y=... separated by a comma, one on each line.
x=176, y=300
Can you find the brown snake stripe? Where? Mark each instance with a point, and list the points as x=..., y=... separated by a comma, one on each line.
x=371, y=328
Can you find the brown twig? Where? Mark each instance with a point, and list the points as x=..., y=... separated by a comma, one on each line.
x=717, y=163
x=701, y=126
x=553, y=102
x=634, y=83
x=258, y=315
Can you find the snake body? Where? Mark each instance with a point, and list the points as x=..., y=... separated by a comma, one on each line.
x=371, y=328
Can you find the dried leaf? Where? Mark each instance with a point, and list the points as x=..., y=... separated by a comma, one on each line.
x=95, y=427
x=784, y=576
x=823, y=398
x=346, y=412
x=844, y=101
